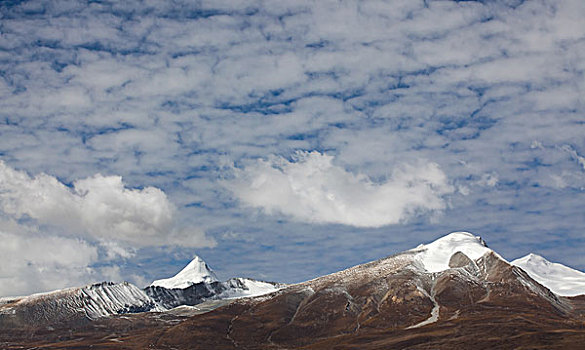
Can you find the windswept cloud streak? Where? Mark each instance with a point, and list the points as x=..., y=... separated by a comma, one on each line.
x=311, y=188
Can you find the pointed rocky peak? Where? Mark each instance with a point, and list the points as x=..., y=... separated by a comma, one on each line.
x=559, y=278
x=196, y=271
x=435, y=256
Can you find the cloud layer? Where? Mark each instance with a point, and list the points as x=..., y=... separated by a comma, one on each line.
x=311, y=188
x=166, y=94
x=108, y=222
x=33, y=263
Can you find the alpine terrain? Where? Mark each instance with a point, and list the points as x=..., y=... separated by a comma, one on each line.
x=195, y=284
x=453, y=293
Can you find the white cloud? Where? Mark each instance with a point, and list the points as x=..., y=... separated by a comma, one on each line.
x=100, y=207
x=108, y=220
x=578, y=158
x=158, y=92
x=312, y=188
x=32, y=263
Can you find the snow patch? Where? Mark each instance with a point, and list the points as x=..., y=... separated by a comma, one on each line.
x=560, y=279
x=244, y=287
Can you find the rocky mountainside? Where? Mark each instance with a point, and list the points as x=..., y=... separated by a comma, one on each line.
x=197, y=283
x=454, y=293
x=201, y=292
x=193, y=285
x=75, y=305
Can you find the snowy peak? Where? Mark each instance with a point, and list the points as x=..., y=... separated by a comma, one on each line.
x=435, y=256
x=531, y=259
x=197, y=283
x=196, y=271
x=559, y=278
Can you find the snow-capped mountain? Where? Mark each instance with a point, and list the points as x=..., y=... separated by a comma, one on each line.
x=194, y=284
x=197, y=283
x=197, y=271
x=452, y=293
x=198, y=293
x=559, y=278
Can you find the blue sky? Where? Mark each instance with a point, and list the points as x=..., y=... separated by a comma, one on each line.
x=284, y=140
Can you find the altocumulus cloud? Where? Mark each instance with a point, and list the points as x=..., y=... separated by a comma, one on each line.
x=310, y=187
x=160, y=92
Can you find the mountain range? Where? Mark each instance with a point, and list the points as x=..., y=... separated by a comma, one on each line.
x=453, y=293
x=193, y=285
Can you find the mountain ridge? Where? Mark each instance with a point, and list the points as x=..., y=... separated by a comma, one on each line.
x=395, y=302
x=454, y=292
x=559, y=278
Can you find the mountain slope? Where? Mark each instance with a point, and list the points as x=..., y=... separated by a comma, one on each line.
x=454, y=293
x=76, y=304
x=469, y=301
x=559, y=278
x=198, y=293
x=194, y=284
x=197, y=283
x=247, y=287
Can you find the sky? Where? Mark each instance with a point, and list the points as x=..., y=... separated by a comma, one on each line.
x=283, y=140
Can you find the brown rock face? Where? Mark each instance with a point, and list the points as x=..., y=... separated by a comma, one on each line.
x=459, y=260
x=486, y=304
x=387, y=304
